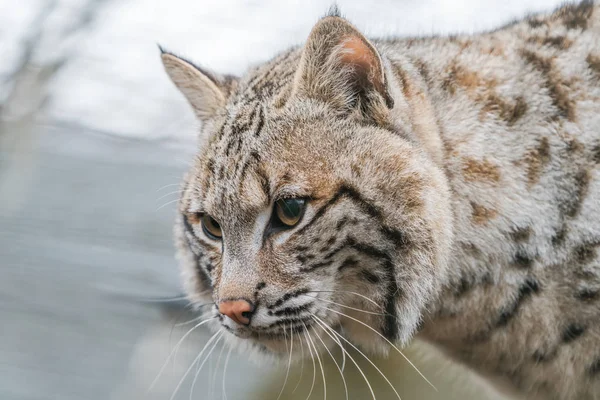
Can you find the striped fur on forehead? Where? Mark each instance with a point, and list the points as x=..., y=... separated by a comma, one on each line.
x=235, y=147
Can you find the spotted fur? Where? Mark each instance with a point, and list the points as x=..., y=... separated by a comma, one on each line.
x=454, y=181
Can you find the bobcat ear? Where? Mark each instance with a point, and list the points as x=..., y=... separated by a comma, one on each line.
x=205, y=91
x=340, y=66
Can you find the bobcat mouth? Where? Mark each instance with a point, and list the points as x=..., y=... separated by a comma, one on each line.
x=279, y=330
x=285, y=328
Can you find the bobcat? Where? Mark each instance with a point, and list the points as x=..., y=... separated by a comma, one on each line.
x=376, y=190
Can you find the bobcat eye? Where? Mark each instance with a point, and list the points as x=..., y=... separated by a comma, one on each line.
x=211, y=228
x=289, y=211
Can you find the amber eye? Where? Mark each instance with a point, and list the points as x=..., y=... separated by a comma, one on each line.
x=211, y=228
x=289, y=211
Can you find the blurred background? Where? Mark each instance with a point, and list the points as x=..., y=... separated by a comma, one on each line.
x=93, y=141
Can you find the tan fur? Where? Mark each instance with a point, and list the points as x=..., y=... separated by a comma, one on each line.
x=453, y=181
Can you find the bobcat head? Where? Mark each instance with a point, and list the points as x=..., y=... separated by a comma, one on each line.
x=311, y=208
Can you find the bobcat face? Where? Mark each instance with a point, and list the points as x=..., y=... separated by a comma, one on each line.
x=306, y=211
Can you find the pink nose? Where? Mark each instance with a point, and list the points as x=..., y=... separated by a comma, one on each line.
x=239, y=311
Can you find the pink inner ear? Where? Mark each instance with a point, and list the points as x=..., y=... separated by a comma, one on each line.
x=360, y=55
x=357, y=52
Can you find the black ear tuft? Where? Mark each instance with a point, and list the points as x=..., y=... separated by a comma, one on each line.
x=161, y=49
x=334, y=11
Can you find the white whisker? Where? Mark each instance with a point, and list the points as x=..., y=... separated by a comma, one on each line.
x=191, y=321
x=388, y=341
x=203, y=362
x=214, y=378
x=341, y=305
x=301, y=367
x=343, y=353
x=320, y=364
x=335, y=362
x=287, y=372
x=225, y=372
x=346, y=291
x=166, y=204
x=325, y=327
x=174, y=351
x=368, y=359
x=168, y=194
x=169, y=185
x=212, y=338
x=314, y=366
x=161, y=299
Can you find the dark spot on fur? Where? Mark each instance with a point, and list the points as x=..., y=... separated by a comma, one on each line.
x=356, y=169
x=420, y=325
x=331, y=241
x=463, y=287
x=507, y=110
x=559, y=42
x=261, y=286
x=576, y=16
x=541, y=356
x=558, y=88
x=369, y=276
x=529, y=287
x=315, y=266
x=521, y=235
x=594, y=369
x=264, y=183
x=393, y=292
x=594, y=63
x=287, y=297
x=403, y=78
x=522, y=260
x=574, y=145
x=480, y=170
x=393, y=235
x=572, y=207
x=471, y=249
x=423, y=69
x=261, y=122
x=210, y=164
x=596, y=154
x=513, y=114
x=459, y=76
x=340, y=224
x=585, y=253
x=536, y=160
x=481, y=215
x=572, y=332
x=536, y=22
x=587, y=294
x=348, y=263
x=560, y=236
x=487, y=279
x=290, y=311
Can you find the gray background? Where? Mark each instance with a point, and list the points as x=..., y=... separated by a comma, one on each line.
x=93, y=141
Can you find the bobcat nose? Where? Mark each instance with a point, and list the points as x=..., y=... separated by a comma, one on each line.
x=238, y=310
